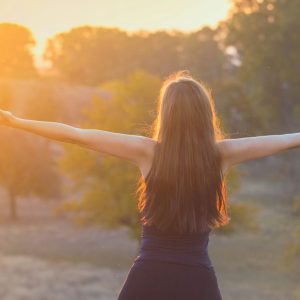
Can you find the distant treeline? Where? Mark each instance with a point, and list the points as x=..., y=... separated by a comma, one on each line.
x=257, y=87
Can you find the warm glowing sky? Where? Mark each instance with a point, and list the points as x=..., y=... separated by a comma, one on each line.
x=48, y=17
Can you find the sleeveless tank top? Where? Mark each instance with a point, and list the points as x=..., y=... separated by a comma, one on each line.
x=187, y=249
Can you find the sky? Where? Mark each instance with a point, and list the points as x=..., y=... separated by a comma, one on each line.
x=45, y=18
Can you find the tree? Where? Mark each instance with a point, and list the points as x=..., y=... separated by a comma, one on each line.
x=108, y=183
x=88, y=54
x=44, y=104
x=263, y=32
x=16, y=59
x=5, y=96
x=203, y=56
x=27, y=165
x=26, y=168
x=265, y=36
x=93, y=55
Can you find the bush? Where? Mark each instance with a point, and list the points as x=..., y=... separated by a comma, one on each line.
x=243, y=217
x=296, y=206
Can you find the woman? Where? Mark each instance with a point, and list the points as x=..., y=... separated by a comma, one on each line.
x=182, y=191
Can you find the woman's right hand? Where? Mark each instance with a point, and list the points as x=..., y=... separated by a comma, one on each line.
x=6, y=118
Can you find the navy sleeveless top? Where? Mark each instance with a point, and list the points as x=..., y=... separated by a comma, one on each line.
x=187, y=249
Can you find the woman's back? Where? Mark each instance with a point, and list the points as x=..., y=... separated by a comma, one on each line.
x=149, y=150
x=156, y=245
x=187, y=249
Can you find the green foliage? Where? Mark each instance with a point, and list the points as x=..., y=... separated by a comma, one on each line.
x=5, y=96
x=240, y=114
x=26, y=167
x=292, y=251
x=296, y=206
x=43, y=105
x=233, y=178
x=91, y=55
x=243, y=217
x=16, y=59
x=108, y=183
x=263, y=32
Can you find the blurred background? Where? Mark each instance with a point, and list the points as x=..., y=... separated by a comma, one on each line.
x=69, y=226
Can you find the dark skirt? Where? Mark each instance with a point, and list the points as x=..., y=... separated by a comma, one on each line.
x=169, y=281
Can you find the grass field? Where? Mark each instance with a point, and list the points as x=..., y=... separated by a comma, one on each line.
x=46, y=258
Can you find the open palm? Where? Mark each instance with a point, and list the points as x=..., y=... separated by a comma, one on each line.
x=6, y=117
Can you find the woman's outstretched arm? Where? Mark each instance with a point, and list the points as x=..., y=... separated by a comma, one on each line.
x=126, y=146
x=239, y=150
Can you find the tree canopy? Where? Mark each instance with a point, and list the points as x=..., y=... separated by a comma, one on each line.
x=16, y=58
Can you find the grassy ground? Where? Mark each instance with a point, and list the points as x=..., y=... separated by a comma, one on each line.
x=45, y=258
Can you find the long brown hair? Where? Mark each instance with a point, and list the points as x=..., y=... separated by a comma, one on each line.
x=185, y=189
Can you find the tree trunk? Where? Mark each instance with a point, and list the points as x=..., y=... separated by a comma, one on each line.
x=13, y=206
